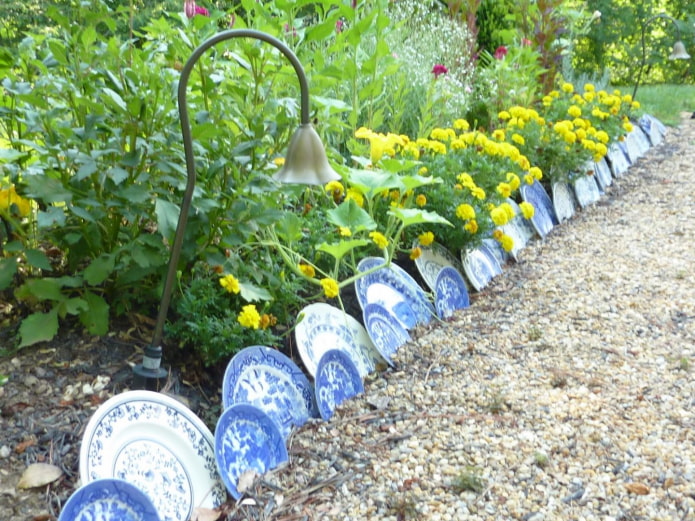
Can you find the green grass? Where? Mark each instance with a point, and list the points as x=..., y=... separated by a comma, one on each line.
x=666, y=102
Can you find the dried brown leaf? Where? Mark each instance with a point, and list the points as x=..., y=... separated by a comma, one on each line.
x=637, y=488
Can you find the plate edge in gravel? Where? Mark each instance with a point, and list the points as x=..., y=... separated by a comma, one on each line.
x=451, y=295
x=109, y=491
x=374, y=315
x=330, y=393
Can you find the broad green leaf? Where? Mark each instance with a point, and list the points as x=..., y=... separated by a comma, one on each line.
x=52, y=216
x=71, y=306
x=8, y=268
x=371, y=182
x=167, y=217
x=96, y=317
x=416, y=181
x=99, y=269
x=351, y=216
x=289, y=228
x=252, y=293
x=115, y=97
x=339, y=249
x=47, y=189
x=38, y=327
x=410, y=216
x=40, y=289
x=8, y=155
x=38, y=259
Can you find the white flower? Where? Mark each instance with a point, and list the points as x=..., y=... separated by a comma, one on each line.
x=596, y=15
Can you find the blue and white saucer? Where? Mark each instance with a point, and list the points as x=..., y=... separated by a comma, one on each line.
x=246, y=439
x=544, y=218
x=604, y=177
x=451, y=293
x=108, y=500
x=563, y=201
x=384, y=330
x=337, y=380
x=586, y=190
x=480, y=266
x=432, y=259
x=271, y=381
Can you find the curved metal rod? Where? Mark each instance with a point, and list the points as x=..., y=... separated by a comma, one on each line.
x=644, y=52
x=190, y=159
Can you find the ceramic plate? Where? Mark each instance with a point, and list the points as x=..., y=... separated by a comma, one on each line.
x=337, y=380
x=246, y=438
x=603, y=174
x=617, y=159
x=513, y=229
x=363, y=353
x=398, y=279
x=108, y=500
x=586, y=190
x=524, y=226
x=271, y=381
x=384, y=330
x=497, y=250
x=480, y=266
x=395, y=302
x=544, y=218
x=563, y=201
x=158, y=445
x=432, y=259
x=451, y=292
x=655, y=129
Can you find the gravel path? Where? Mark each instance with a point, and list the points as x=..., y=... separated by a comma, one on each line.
x=565, y=391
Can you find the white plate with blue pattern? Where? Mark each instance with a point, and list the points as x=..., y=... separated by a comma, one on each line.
x=271, y=381
x=159, y=445
x=432, y=259
x=544, y=218
x=451, y=293
x=246, y=439
x=108, y=500
x=480, y=266
x=384, y=330
x=337, y=380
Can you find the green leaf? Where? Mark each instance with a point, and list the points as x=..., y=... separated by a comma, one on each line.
x=412, y=182
x=167, y=217
x=96, y=317
x=71, y=306
x=339, y=249
x=9, y=155
x=38, y=327
x=289, y=228
x=372, y=182
x=47, y=189
x=351, y=216
x=99, y=269
x=115, y=98
x=38, y=259
x=410, y=216
x=252, y=293
x=40, y=289
x=52, y=216
x=8, y=268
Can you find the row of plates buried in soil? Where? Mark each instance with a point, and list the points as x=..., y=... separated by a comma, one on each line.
x=147, y=457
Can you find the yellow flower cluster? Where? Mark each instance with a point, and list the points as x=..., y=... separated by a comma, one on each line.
x=11, y=201
x=389, y=144
x=330, y=287
x=230, y=283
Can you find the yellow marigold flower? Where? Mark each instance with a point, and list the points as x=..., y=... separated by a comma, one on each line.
x=230, y=283
x=423, y=170
x=376, y=151
x=589, y=87
x=411, y=149
x=504, y=115
x=478, y=192
x=335, y=188
x=426, y=238
x=268, y=320
x=513, y=180
x=465, y=212
x=279, y=161
x=507, y=242
x=356, y=196
x=547, y=101
x=627, y=126
x=529, y=179
x=589, y=96
x=379, y=239
x=601, y=150
x=330, y=287
x=307, y=270
x=471, y=226
x=574, y=111
x=461, y=124
x=465, y=179
x=249, y=317
x=497, y=233
x=509, y=210
x=499, y=216
x=440, y=134
x=536, y=172
x=504, y=189
x=570, y=137
x=498, y=134
x=527, y=209
x=421, y=200
x=344, y=231
x=567, y=88
x=518, y=139
x=415, y=253
x=627, y=98
x=635, y=105
x=364, y=133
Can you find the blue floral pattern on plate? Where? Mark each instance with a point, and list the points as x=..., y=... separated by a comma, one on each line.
x=451, y=292
x=480, y=266
x=271, y=381
x=544, y=218
x=384, y=330
x=337, y=380
x=586, y=190
x=563, y=201
x=603, y=174
x=108, y=500
x=432, y=259
x=653, y=128
x=395, y=302
x=399, y=280
x=157, y=444
x=246, y=439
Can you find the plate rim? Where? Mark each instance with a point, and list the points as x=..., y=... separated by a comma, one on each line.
x=69, y=507
x=393, y=322
x=347, y=362
x=455, y=274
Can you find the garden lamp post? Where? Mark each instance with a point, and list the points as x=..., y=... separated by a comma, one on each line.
x=305, y=163
x=678, y=52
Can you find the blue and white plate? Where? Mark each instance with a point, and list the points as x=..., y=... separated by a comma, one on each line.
x=364, y=353
x=617, y=159
x=563, y=201
x=603, y=174
x=108, y=500
x=637, y=143
x=395, y=302
x=384, y=330
x=655, y=129
x=451, y=292
x=315, y=334
x=587, y=191
x=398, y=279
x=544, y=218
x=495, y=247
x=524, y=226
x=337, y=380
x=246, y=439
x=432, y=259
x=271, y=381
x=159, y=445
x=480, y=266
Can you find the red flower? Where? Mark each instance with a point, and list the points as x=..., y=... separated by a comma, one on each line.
x=438, y=70
x=191, y=9
x=201, y=10
x=500, y=53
